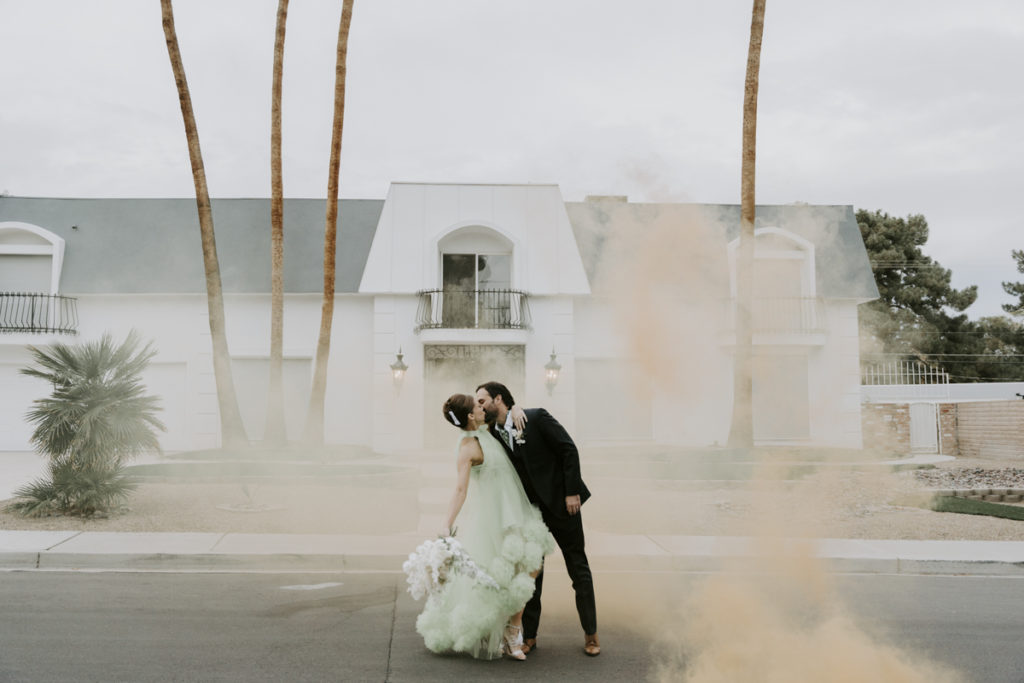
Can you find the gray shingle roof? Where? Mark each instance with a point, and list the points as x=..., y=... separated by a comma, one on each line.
x=153, y=245
x=841, y=261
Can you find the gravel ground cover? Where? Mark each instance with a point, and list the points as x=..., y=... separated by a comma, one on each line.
x=964, y=478
x=866, y=501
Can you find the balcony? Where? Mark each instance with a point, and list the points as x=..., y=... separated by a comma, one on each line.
x=473, y=309
x=38, y=313
x=780, y=320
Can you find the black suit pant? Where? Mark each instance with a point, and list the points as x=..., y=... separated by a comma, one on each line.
x=568, y=533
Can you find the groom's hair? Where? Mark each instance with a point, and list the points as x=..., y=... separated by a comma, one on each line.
x=498, y=389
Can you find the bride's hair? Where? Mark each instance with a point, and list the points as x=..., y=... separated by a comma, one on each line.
x=457, y=409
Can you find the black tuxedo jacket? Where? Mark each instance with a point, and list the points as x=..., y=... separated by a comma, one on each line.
x=548, y=463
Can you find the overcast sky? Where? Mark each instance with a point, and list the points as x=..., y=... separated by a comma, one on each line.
x=909, y=106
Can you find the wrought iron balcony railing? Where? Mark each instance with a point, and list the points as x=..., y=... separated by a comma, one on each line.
x=489, y=309
x=39, y=313
x=804, y=315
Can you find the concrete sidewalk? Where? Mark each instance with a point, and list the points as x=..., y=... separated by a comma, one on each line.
x=130, y=551
x=73, y=550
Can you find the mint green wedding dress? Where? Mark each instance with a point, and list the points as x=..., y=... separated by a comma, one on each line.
x=506, y=537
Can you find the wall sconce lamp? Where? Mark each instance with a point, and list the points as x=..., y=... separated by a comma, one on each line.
x=551, y=371
x=398, y=369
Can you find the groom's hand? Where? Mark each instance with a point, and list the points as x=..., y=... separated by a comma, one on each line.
x=572, y=505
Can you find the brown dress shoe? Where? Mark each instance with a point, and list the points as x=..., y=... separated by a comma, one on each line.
x=591, y=646
x=529, y=645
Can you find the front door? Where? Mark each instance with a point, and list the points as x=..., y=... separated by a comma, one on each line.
x=460, y=368
x=924, y=428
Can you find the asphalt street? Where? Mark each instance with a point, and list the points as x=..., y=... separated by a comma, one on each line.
x=163, y=626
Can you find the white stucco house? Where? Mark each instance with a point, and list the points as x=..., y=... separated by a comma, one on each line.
x=470, y=283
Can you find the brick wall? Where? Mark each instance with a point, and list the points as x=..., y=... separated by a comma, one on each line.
x=949, y=437
x=886, y=426
x=987, y=429
x=991, y=429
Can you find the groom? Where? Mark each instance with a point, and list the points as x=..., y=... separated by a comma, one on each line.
x=547, y=461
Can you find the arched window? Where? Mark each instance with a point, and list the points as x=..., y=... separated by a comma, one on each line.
x=476, y=278
x=476, y=257
x=476, y=271
x=31, y=258
x=783, y=265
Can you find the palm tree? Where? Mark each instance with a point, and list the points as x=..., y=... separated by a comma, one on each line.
x=314, y=430
x=96, y=419
x=275, y=430
x=232, y=430
x=741, y=430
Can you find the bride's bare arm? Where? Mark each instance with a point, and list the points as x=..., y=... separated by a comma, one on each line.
x=518, y=417
x=469, y=455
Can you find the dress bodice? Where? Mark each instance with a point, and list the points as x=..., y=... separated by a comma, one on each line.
x=496, y=462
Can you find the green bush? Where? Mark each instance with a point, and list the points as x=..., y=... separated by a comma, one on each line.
x=97, y=418
x=976, y=507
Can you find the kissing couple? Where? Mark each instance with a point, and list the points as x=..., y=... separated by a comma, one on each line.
x=518, y=492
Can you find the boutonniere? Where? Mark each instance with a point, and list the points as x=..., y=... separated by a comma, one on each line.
x=519, y=436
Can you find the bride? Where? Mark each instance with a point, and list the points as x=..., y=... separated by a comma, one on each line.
x=503, y=535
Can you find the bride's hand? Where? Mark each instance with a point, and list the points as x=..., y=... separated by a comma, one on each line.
x=518, y=418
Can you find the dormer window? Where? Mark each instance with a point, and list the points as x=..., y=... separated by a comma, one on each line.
x=784, y=286
x=32, y=258
x=476, y=271
x=783, y=265
x=476, y=288
x=476, y=280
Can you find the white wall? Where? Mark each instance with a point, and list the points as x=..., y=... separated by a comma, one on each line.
x=942, y=393
x=16, y=395
x=182, y=371
x=834, y=376
x=397, y=411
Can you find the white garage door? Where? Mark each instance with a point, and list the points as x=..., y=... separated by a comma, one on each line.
x=168, y=382
x=165, y=380
x=16, y=395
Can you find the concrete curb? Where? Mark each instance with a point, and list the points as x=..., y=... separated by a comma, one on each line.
x=95, y=551
x=163, y=562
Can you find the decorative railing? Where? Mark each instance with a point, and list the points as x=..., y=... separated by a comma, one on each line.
x=489, y=309
x=901, y=372
x=39, y=313
x=804, y=315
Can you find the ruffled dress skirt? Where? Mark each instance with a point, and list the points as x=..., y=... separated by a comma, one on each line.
x=504, y=535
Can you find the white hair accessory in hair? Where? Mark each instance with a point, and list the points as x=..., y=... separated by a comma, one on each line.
x=455, y=420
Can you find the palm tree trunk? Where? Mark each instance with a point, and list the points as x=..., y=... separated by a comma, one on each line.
x=275, y=429
x=232, y=430
x=314, y=431
x=741, y=430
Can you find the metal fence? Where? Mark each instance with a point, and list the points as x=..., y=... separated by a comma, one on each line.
x=38, y=313
x=903, y=380
x=902, y=372
x=507, y=309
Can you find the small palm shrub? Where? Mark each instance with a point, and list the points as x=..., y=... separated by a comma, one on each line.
x=96, y=420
